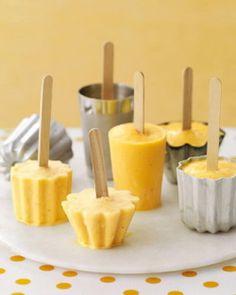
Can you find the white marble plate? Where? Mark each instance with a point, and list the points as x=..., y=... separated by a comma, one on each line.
x=157, y=240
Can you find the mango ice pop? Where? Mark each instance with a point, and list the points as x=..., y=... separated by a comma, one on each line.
x=38, y=192
x=137, y=162
x=198, y=168
x=196, y=136
x=100, y=222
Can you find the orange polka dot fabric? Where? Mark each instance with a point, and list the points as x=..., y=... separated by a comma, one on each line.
x=21, y=276
x=107, y=279
x=153, y=280
x=46, y=267
x=70, y=273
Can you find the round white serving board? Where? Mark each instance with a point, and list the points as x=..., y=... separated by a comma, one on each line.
x=157, y=240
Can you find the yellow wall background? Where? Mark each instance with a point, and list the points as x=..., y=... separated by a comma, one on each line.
x=159, y=37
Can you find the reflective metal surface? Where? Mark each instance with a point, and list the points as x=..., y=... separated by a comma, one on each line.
x=104, y=114
x=22, y=144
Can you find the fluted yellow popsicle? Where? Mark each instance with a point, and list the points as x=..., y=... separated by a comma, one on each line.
x=38, y=192
x=196, y=136
x=100, y=222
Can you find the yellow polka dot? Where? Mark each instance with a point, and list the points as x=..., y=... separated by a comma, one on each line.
x=46, y=267
x=107, y=279
x=229, y=268
x=70, y=273
x=131, y=292
x=153, y=280
x=189, y=273
x=17, y=258
x=2, y=270
x=64, y=286
x=175, y=293
x=23, y=281
x=210, y=284
x=17, y=293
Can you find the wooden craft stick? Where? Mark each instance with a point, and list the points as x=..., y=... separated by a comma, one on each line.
x=139, y=101
x=108, y=64
x=98, y=163
x=45, y=120
x=213, y=124
x=187, y=98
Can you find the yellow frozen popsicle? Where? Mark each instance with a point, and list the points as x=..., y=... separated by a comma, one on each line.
x=176, y=136
x=38, y=187
x=137, y=162
x=38, y=192
x=100, y=222
x=199, y=169
x=196, y=136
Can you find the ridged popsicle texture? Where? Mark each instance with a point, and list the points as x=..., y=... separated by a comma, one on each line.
x=38, y=192
x=100, y=222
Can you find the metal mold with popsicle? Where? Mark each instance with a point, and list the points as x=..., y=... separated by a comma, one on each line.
x=206, y=184
x=175, y=154
x=187, y=138
x=104, y=105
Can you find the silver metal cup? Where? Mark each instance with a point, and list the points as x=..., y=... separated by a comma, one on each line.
x=104, y=114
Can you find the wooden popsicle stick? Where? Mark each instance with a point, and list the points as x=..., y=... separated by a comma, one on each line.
x=108, y=64
x=213, y=124
x=98, y=162
x=45, y=120
x=139, y=101
x=187, y=98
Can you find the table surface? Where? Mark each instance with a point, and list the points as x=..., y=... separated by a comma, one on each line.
x=20, y=276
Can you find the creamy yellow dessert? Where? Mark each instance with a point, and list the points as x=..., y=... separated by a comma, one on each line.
x=199, y=169
x=100, y=222
x=182, y=144
x=137, y=162
x=38, y=192
x=196, y=136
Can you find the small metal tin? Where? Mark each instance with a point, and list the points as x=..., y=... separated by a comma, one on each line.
x=22, y=144
x=207, y=205
x=104, y=114
x=176, y=154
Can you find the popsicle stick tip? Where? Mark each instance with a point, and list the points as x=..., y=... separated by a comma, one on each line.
x=188, y=69
x=48, y=79
x=93, y=130
x=108, y=44
x=215, y=82
x=138, y=74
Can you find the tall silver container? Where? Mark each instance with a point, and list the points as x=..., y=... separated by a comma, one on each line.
x=104, y=114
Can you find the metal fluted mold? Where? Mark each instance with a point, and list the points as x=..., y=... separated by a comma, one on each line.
x=176, y=154
x=206, y=205
x=22, y=144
